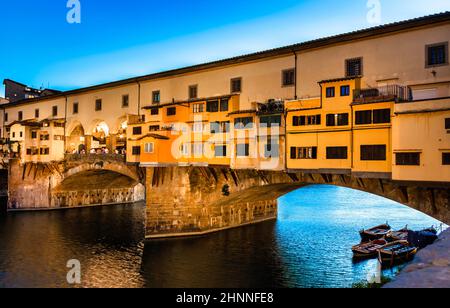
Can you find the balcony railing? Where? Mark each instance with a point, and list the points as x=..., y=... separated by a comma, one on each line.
x=390, y=92
x=94, y=157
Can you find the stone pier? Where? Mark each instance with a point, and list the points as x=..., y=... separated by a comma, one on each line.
x=184, y=201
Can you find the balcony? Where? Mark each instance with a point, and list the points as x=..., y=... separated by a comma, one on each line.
x=395, y=93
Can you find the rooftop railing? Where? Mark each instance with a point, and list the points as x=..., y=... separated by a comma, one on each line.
x=389, y=92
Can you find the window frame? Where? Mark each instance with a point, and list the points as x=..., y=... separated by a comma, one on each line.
x=137, y=130
x=246, y=150
x=77, y=109
x=329, y=152
x=169, y=113
x=190, y=88
x=136, y=150
x=370, y=155
x=284, y=79
x=152, y=147
x=361, y=73
x=232, y=84
x=158, y=100
x=330, y=95
x=427, y=54
x=125, y=101
x=404, y=162
x=446, y=159
x=347, y=87
x=98, y=104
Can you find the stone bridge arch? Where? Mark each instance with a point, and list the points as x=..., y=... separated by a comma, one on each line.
x=198, y=200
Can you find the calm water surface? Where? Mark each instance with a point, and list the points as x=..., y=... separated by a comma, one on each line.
x=309, y=246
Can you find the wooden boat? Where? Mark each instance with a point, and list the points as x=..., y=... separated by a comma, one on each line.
x=400, y=235
x=396, y=253
x=375, y=233
x=368, y=250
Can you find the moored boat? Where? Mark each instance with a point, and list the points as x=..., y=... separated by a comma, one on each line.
x=375, y=233
x=368, y=250
x=396, y=253
x=400, y=235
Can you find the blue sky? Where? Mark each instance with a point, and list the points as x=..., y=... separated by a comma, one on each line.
x=120, y=39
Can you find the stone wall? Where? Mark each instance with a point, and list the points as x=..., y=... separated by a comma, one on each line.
x=193, y=200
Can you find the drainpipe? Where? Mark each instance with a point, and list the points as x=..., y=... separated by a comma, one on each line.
x=65, y=124
x=295, y=79
x=352, y=139
x=139, y=98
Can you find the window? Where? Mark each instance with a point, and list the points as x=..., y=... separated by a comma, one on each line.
x=75, y=108
x=21, y=134
x=437, y=54
x=154, y=111
x=212, y=106
x=354, y=67
x=243, y=150
x=197, y=149
x=220, y=127
x=337, y=153
x=125, y=101
x=272, y=150
x=224, y=105
x=407, y=159
x=55, y=111
x=149, y=148
x=58, y=137
x=59, y=124
x=220, y=150
x=447, y=123
x=197, y=127
x=6, y=117
x=137, y=130
x=171, y=111
x=243, y=123
x=98, y=105
x=136, y=150
x=193, y=92
x=363, y=117
x=44, y=151
x=14, y=134
x=304, y=153
x=373, y=152
x=20, y=115
x=446, y=159
x=236, y=85
x=381, y=116
x=34, y=135
x=288, y=77
x=270, y=121
x=45, y=137
x=345, y=90
x=337, y=119
x=156, y=97
x=198, y=108
x=330, y=92
x=154, y=128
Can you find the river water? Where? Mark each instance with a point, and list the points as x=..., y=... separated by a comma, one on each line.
x=308, y=246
